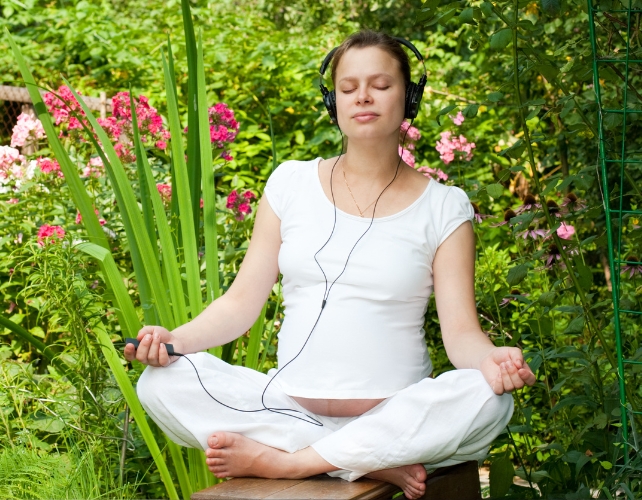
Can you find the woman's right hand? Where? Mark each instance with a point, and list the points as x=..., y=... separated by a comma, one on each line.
x=151, y=350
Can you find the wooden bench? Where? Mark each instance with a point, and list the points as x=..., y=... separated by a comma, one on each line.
x=458, y=482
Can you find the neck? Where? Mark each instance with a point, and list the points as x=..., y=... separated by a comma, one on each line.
x=375, y=160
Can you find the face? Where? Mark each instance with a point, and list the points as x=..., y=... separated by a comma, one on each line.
x=370, y=93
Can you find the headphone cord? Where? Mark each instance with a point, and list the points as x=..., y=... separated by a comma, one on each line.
x=326, y=294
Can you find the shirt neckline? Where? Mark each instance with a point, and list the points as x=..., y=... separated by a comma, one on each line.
x=365, y=219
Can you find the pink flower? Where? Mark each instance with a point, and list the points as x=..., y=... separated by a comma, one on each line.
x=411, y=133
x=94, y=168
x=451, y=147
x=223, y=128
x=13, y=201
x=407, y=156
x=632, y=266
x=165, y=191
x=459, y=119
x=232, y=198
x=434, y=173
x=240, y=204
x=49, y=234
x=63, y=107
x=48, y=166
x=79, y=218
x=528, y=203
x=565, y=231
x=572, y=203
x=532, y=232
x=27, y=129
x=161, y=144
x=9, y=158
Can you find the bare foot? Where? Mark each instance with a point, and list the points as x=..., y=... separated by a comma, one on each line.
x=233, y=455
x=410, y=478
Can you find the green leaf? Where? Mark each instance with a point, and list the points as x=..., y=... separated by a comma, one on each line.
x=516, y=150
x=501, y=476
x=585, y=275
x=444, y=111
x=466, y=16
x=575, y=326
x=210, y=229
x=547, y=298
x=182, y=190
x=470, y=111
x=549, y=72
x=517, y=274
x=253, y=345
x=501, y=39
x=551, y=7
x=495, y=96
x=487, y=8
x=126, y=387
x=606, y=465
x=495, y=190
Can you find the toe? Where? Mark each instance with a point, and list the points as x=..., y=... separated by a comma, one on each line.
x=216, y=440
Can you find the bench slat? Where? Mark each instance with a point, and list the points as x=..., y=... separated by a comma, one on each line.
x=317, y=488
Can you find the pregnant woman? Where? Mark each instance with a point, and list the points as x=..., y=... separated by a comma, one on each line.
x=362, y=240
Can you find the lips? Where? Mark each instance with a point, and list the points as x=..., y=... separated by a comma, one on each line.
x=365, y=117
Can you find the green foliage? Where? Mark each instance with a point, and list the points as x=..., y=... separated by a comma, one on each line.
x=520, y=73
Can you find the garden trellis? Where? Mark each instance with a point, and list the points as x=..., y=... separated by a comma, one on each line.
x=617, y=76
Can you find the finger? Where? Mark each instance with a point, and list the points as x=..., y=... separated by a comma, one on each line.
x=517, y=357
x=146, y=330
x=163, y=357
x=498, y=385
x=506, y=380
x=152, y=356
x=143, y=349
x=129, y=352
x=513, y=372
x=527, y=375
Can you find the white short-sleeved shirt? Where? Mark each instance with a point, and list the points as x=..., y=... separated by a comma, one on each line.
x=369, y=342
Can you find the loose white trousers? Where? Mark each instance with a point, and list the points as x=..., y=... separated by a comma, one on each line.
x=436, y=422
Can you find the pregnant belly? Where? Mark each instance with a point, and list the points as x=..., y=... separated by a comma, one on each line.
x=338, y=407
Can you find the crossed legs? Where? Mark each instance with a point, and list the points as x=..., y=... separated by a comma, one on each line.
x=435, y=422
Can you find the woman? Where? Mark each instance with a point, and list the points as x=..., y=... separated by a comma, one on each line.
x=353, y=396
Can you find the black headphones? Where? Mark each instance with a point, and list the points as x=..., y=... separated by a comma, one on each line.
x=414, y=92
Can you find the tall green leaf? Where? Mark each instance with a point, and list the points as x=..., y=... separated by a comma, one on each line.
x=209, y=190
x=181, y=191
x=254, y=343
x=169, y=260
x=125, y=385
x=193, y=153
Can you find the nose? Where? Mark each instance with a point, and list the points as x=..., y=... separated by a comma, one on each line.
x=363, y=95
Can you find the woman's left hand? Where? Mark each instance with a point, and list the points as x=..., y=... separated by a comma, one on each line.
x=505, y=370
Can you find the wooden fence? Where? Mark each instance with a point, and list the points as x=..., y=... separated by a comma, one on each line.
x=16, y=100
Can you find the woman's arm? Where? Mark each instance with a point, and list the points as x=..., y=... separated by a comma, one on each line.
x=230, y=315
x=466, y=345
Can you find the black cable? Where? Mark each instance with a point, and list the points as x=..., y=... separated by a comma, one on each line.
x=326, y=294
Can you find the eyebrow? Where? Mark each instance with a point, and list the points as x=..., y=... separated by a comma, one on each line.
x=372, y=77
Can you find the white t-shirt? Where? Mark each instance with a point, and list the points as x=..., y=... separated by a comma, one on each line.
x=369, y=342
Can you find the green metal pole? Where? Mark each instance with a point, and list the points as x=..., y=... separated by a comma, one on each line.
x=615, y=267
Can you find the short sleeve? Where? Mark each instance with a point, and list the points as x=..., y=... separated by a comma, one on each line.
x=456, y=210
x=276, y=188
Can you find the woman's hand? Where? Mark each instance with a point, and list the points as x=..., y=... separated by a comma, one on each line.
x=505, y=369
x=151, y=350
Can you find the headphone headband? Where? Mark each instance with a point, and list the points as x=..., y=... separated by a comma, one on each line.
x=403, y=41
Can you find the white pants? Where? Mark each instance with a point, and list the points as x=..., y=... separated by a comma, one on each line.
x=436, y=422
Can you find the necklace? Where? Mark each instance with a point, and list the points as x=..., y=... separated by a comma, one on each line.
x=361, y=212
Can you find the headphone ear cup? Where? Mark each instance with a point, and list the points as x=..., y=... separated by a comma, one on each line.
x=332, y=106
x=330, y=102
x=414, y=94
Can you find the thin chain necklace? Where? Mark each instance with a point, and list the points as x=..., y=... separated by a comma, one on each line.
x=361, y=212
